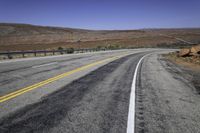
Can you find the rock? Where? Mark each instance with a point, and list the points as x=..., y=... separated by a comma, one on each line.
x=195, y=49
x=184, y=52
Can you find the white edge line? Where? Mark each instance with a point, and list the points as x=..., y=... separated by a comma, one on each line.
x=131, y=112
x=48, y=64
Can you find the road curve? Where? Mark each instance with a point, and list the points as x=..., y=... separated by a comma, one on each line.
x=97, y=99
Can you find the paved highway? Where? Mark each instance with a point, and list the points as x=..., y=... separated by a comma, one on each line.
x=114, y=91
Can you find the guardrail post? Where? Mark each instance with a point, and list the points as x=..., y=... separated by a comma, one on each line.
x=23, y=54
x=45, y=53
x=9, y=56
x=35, y=53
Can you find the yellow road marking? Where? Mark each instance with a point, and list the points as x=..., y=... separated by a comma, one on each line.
x=45, y=82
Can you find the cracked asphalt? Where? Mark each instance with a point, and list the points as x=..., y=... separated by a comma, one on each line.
x=97, y=99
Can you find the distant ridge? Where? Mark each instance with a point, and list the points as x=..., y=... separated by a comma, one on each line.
x=34, y=37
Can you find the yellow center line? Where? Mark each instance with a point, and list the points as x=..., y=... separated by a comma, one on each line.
x=45, y=82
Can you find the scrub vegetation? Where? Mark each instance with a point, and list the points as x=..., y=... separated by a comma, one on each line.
x=30, y=37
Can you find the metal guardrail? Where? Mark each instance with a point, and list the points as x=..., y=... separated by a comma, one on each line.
x=10, y=54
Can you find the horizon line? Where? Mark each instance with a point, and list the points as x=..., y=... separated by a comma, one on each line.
x=79, y=28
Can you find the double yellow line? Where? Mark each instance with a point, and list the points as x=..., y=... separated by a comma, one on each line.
x=45, y=82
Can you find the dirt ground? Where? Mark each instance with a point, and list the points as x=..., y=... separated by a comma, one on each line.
x=191, y=69
x=30, y=37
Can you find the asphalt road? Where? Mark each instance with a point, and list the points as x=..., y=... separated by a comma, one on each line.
x=96, y=98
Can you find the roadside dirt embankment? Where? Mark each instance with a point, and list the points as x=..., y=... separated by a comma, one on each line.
x=187, y=56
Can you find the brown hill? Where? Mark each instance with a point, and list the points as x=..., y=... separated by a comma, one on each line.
x=31, y=37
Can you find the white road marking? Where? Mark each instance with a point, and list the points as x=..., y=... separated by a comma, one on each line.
x=131, y=112
x=48, y=64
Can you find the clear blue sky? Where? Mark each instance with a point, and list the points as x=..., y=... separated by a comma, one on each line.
x=103, y=14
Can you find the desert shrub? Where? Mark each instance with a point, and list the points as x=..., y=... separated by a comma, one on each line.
x=70, y=50
x=99, y=47
x=60, y=48
x=114, y=46
x=10, y=56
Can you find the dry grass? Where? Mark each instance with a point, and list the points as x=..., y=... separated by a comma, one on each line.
x=29, y=37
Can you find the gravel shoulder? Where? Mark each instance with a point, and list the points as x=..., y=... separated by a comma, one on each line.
x=168, y=99
x=188, y=70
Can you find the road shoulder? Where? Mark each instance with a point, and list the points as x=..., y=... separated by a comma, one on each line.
x=166, y=101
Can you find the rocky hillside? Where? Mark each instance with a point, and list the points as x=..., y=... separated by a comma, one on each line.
x=31, y=37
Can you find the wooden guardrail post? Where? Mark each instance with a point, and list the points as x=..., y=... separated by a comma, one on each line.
x=23, y=54
x=9, y=56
